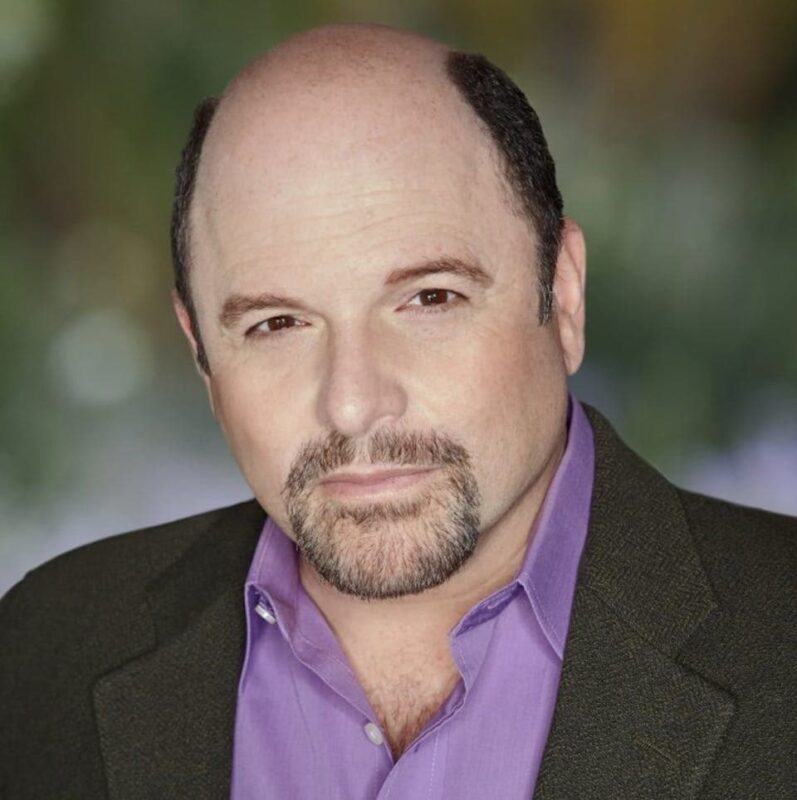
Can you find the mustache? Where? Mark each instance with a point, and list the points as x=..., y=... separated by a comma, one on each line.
x=320, y=457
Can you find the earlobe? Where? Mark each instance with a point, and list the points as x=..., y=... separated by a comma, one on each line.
x=569, y=295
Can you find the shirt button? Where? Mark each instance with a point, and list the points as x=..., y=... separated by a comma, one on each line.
x=262, y=611
x=373, y=733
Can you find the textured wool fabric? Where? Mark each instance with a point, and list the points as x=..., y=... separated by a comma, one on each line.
x=303, y=718
x=120, y=661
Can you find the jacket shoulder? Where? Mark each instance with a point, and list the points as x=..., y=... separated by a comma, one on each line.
x=749, y=554
x=120, y=564
x=79, y=615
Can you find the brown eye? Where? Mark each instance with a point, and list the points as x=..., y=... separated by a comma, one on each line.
x=279, y=323
x=273, y=325
x=434, y=297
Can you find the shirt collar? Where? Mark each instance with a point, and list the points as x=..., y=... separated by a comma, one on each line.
x=550, y=566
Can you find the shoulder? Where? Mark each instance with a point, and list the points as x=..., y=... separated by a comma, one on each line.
x=115, y=570
x=754, y=528
x=748, y=553
x=84, y=613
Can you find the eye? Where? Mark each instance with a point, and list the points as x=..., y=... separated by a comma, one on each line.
x=435, y=297
x=274, y=325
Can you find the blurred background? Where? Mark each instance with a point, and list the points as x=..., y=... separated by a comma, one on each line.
x=674, y=127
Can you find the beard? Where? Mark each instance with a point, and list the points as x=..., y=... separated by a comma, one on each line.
x=384, y=549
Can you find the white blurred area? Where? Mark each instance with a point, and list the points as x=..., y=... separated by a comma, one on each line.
x=133, y=444
x=760, y=471
x=132, y=472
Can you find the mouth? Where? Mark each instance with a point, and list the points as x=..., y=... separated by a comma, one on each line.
x=368, y=484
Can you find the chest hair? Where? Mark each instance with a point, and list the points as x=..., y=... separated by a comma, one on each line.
x=406, y=702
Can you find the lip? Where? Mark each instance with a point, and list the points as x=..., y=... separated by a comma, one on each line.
x=379, y=482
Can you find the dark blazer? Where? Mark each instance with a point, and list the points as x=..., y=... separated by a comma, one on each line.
x=119, y=661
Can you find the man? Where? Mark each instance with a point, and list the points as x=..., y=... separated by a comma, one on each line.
x=464, y=585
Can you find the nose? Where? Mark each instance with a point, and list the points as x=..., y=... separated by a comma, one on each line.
x=359, y=388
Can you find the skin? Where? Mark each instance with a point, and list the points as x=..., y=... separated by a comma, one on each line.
x=339, y=157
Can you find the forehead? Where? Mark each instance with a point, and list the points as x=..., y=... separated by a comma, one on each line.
x=322, y=170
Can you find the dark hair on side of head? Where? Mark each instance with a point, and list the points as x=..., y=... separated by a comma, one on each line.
x=529, y=168
x=180, y=232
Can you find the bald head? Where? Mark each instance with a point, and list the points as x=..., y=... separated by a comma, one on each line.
x=342, y=53
x=331, y=100
x=334, y=106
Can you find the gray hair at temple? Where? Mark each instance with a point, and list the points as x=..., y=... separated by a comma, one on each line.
x=513, y=126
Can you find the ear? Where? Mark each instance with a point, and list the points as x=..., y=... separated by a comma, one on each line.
x=569, y=298
x=184, y=318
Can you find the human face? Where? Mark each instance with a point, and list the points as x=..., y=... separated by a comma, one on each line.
x=367, y=299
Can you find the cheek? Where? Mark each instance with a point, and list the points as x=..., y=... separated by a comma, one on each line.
x=258, y=435
x=498, y=374
x=504, y=396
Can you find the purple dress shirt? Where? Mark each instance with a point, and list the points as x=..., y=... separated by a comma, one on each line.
x=304, y=728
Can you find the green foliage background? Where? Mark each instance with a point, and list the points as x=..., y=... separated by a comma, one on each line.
x=674, y=127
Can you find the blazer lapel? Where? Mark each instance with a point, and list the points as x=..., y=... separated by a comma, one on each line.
x=633, y=719
x=166, y=716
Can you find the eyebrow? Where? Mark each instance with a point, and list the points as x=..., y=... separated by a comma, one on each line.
x=453, y=266
x=237, y=305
